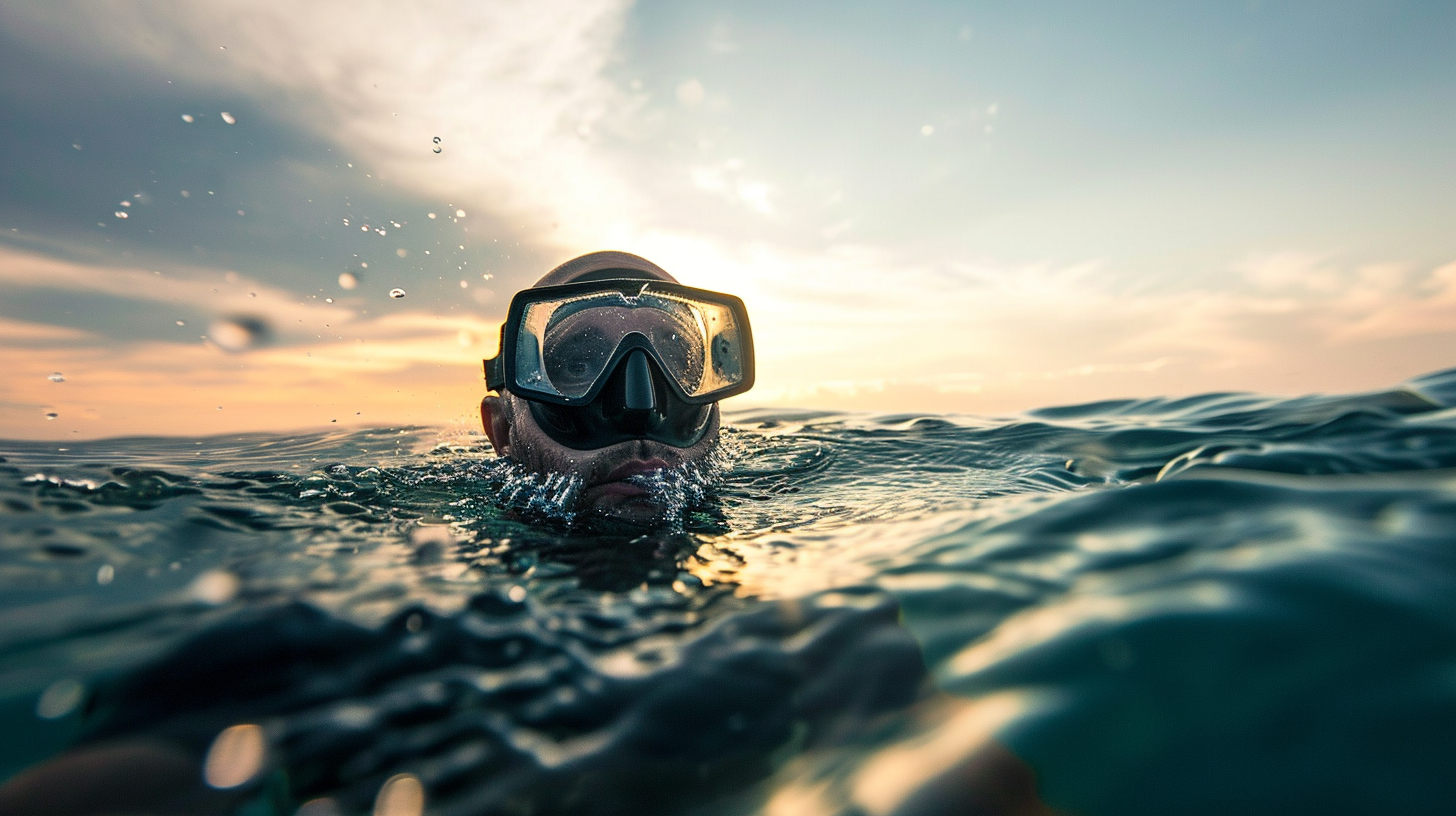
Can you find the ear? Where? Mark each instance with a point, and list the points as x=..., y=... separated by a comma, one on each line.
x=495, y=416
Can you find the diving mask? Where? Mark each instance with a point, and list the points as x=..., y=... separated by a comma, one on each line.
x=606, y=360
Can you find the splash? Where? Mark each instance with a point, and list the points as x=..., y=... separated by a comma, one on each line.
x=678, y=490
x=546, y=497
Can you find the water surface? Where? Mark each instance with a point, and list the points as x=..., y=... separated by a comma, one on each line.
x=1215, y=604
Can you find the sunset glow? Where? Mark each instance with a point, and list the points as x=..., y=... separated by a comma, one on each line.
x=944, y=209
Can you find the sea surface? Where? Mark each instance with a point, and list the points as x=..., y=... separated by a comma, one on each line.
x=1228, y=603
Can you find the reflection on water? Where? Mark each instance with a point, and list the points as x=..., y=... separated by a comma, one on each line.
x=1215, y=604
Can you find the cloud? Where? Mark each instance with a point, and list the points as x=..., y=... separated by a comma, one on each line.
x=509, y=87
x=353, y=361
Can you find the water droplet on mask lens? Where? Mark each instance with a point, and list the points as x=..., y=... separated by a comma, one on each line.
x=229, y=118
x=57, y=377
x=237, y=333
x=396, y=293
x=59, y=699
x=348, y=280
x=438, y=148
x=187, y=117
x=51, y=415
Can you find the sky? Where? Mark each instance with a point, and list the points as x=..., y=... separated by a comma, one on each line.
x=927, y=207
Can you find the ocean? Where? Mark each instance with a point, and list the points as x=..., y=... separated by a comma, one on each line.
x=1226, y=603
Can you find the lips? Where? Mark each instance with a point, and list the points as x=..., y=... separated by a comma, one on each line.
x=617, y=482
x=627, y=470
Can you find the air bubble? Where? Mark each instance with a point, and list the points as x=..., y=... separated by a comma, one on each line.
x=57, y=377
x=396, y=293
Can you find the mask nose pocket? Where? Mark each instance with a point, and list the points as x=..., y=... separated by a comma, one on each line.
x=638, y=393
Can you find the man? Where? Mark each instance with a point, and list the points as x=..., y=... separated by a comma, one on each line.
x=609, y=371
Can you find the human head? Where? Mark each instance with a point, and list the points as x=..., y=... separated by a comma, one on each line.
x=539, y=436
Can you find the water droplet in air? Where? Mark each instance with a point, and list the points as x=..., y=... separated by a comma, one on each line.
x=229, y=118
x=59, y=699
x=396, y=293
x=235, y=757
x=187, y=117
x=51, y=415
x=57, y=377
x=214, y=587
x=459, y=213
x=402, y=795
x=348, y=280
x=238, y=333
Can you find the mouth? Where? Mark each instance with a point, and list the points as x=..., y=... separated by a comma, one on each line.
x=618, y=483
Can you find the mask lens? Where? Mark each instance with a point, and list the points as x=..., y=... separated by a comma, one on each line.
x=564, y=344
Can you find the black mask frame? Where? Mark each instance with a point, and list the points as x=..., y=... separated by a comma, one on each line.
x=502, y=370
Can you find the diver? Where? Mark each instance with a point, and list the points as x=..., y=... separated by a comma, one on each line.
x=610, y=371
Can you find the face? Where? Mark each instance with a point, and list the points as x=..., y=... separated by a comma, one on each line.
x=604, y=471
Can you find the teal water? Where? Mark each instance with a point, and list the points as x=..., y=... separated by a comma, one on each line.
x=1227, y=603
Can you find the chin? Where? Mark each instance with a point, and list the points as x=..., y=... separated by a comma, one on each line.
x=636, y=510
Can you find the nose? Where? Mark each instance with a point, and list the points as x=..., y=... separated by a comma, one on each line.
x=638, y=393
